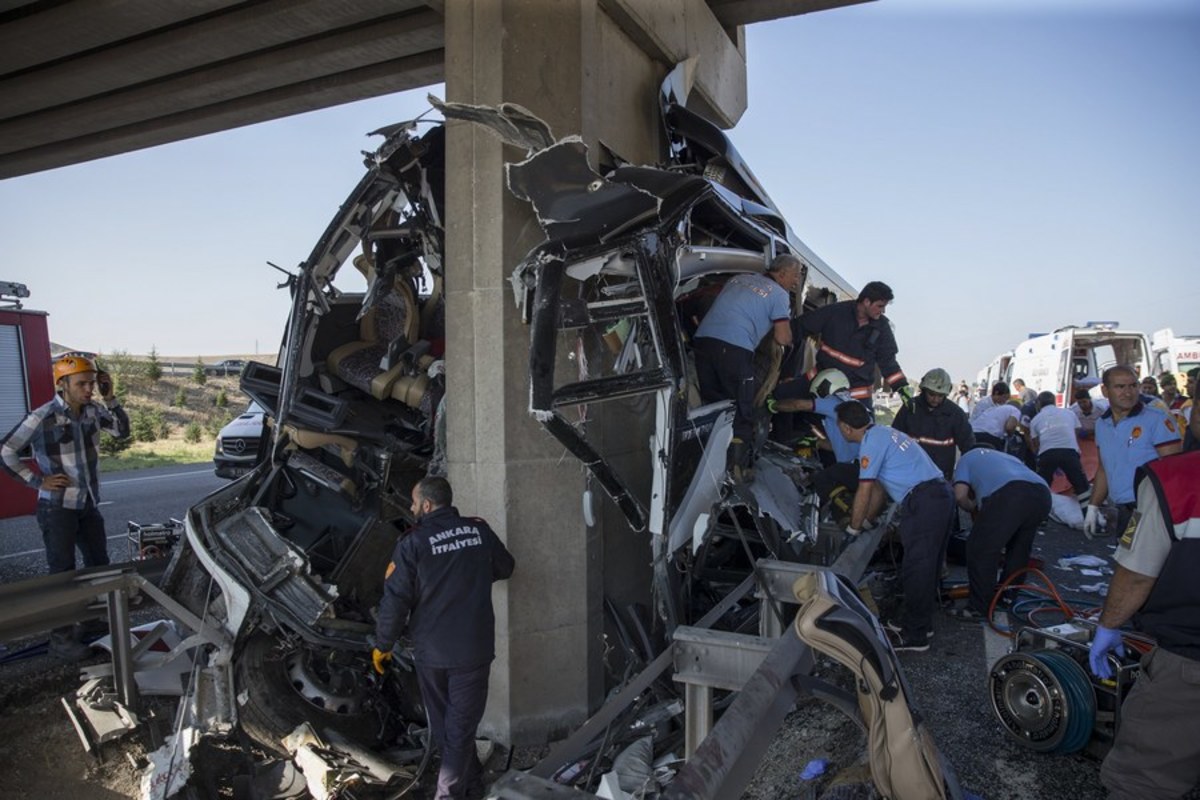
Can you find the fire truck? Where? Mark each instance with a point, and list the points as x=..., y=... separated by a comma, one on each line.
x=26, y=381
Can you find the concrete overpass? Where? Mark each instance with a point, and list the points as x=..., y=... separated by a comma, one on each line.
x=82, y=79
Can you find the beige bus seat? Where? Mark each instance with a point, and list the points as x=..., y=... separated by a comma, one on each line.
x=393, y=314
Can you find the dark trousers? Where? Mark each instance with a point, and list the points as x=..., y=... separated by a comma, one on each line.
x=1007, y=522
x=833, y=476
x=1157, y=750
x=995, y=442
x=1068, y=461
x=65, y=529
x=725, y=372
x=454, y=700
x=924, y=526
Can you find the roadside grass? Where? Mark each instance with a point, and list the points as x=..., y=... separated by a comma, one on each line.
x=169, y=411
x=159, y=453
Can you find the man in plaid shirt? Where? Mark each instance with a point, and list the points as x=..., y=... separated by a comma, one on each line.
x=64, y=435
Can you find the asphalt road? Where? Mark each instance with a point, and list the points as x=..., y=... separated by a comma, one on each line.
x=148, y=496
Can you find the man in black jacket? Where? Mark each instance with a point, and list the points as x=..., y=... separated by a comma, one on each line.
x=939, y=427
x=438, y=588
x=855, y=337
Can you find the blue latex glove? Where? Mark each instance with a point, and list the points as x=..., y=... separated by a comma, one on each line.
x=1106, y=641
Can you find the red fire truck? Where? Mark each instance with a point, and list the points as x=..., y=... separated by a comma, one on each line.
x=26, y=381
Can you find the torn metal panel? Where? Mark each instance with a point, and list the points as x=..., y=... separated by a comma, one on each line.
x=776, y=495
x=574, y=204
x=274, y=566
x=513, y=123
x=704, y=491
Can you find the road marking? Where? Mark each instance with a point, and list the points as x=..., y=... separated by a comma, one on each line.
x=159, y=477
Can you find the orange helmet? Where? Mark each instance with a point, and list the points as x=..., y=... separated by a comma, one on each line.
x=73, y=364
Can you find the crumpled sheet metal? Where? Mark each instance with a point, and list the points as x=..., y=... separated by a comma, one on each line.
x=513, y=123
x=776, y=495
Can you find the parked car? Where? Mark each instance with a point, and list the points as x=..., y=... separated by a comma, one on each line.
x=230, y=366
x=294, y=547
x=238, y=443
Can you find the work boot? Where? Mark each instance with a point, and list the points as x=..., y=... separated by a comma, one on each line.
x=64, y=647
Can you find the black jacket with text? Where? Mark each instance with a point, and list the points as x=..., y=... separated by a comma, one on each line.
x=438, y=589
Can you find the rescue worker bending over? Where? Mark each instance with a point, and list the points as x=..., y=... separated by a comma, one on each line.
x=855, y=337
x=1053, y=437
x=926, y=505
x=1156, y=753
x=994, y=418
x=748, y=307
x=1009, y=501
x=837, y=481
x=941, y=428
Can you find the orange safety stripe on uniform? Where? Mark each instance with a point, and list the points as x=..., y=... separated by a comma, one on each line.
x=850, y=361
x=859, y=392
x=895, y=376
x=927, y=440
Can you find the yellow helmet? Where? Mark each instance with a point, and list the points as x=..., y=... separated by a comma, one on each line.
x=73, y=364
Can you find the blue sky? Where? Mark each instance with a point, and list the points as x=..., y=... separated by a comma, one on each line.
x=1006, y=167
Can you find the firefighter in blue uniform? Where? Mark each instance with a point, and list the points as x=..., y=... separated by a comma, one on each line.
x=1156, y=753
x=1128, y=435
x=926, y=504
x=1011, y=501
x=748, y=308
x=438, y=590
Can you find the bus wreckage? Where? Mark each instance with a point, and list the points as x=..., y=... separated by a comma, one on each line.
x=273, y=584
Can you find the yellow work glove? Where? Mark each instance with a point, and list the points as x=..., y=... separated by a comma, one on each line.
x=380, y=659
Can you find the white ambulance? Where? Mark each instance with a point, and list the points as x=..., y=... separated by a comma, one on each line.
x=995, y=371
x=1173, y=353
x=1076, y=356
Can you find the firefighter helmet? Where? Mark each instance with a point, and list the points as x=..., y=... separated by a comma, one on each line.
x=938, y=381
x=829, y=381
x=73, y=364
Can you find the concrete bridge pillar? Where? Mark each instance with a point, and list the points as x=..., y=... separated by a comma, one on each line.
x=593, y=68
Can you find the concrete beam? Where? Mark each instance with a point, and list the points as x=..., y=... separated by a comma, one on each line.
x=672, y=31
x=254, y=74
x=254, y=29
x=745, y=12
x=358, y=84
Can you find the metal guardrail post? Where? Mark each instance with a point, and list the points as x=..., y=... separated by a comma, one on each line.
x=122, y=654
x=697, y=717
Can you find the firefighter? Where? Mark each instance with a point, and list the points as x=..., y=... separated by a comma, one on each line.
x=941, y=428
x=837, y=481
x=855, y=337
x=891, y=459
x=1128, y=435
x=748, y=308
x=438, y=589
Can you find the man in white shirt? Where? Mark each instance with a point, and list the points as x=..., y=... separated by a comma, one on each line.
x=994, y=417
x=1088, y=410
x=1052, y=436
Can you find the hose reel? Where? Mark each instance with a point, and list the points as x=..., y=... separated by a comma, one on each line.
x=1044, y=699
